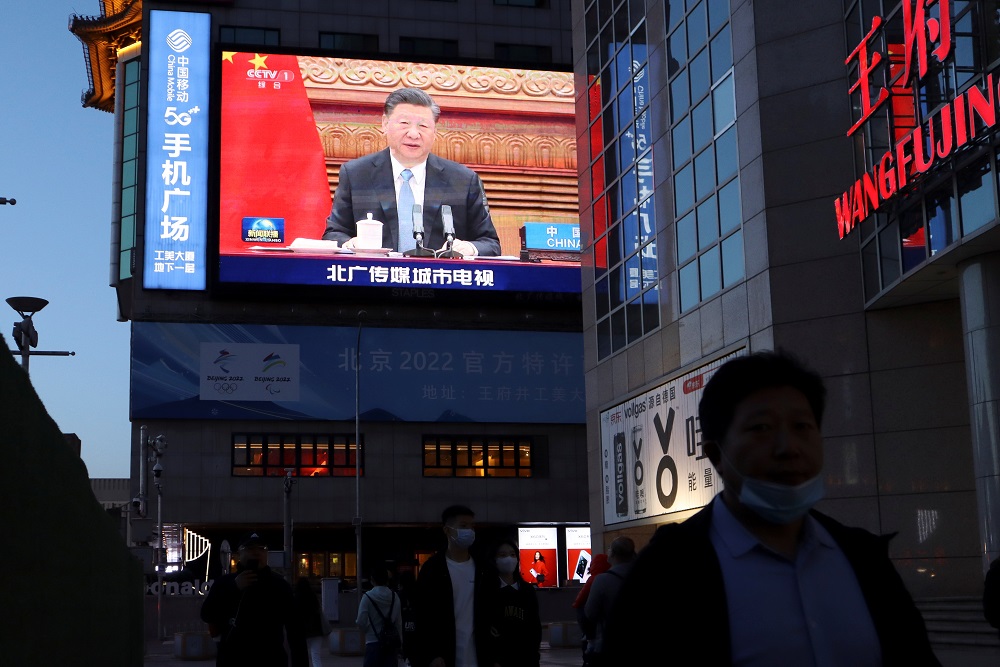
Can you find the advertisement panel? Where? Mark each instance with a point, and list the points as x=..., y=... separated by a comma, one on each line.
x=578, y=553
x=651, y=457
x=246, y=371
x=288, y=123
x=177, y=147
x=539, y=563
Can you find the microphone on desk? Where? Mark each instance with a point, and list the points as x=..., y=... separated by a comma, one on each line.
x=418, y=235
x=448, y=222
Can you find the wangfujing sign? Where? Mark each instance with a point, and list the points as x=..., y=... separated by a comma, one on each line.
x=927, y=33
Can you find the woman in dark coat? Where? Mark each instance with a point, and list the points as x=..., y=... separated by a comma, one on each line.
x=515, y=627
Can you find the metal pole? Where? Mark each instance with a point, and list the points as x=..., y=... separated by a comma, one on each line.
x=143, y=455
x=357, y=451
x=288, y=524
x=26, y=346
x=160, y=561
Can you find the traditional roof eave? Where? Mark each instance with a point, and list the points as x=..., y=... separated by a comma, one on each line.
x=119, y=25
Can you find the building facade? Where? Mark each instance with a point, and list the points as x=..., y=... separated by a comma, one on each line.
x=815, y=177
x=744, y=184
x=454, y=395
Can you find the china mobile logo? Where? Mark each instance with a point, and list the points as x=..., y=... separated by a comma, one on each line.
x=179, y=41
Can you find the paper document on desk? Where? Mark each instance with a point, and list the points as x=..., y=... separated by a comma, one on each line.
x=302, y=245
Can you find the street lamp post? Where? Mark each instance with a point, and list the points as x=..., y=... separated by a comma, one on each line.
x=25, y=336
x=288, y=523
x=161, y=556
x=156, y=447
x=357, y=452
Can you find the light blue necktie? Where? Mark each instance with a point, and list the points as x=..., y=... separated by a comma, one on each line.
x=404, y=210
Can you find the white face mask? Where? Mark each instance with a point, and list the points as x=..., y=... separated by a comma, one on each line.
x=507, y=564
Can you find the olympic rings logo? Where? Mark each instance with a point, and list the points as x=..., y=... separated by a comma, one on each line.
x=226, y=387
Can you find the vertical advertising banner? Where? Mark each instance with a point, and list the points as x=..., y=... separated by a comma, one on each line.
x=652, y=462
x=177, y=151
x=578, y=555
x=539, y=564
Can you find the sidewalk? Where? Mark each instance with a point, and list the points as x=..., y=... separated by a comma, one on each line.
x=162, y=655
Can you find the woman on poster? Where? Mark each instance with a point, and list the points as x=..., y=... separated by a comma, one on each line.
x=538, y=569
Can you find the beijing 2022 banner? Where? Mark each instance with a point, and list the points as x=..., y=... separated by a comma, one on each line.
x=255, y=371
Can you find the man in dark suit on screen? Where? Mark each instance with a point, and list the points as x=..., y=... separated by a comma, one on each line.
x=387, y=184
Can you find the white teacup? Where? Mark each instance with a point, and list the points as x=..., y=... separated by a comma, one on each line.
x=369, y=234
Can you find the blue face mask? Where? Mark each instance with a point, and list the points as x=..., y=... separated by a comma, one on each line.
x=778, y=503
x=464, y=537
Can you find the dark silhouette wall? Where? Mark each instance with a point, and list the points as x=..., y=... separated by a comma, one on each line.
x=71, y=591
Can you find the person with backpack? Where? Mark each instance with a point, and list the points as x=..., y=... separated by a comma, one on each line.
x=379, y=616
x=602, y=596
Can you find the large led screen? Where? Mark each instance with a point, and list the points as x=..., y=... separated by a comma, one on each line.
x=288, y=124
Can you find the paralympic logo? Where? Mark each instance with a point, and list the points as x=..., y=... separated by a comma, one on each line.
x=272, y=360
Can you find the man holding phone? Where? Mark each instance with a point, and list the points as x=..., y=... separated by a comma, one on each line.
x=251, y=611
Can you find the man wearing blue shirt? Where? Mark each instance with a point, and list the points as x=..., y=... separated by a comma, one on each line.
x=758, y=578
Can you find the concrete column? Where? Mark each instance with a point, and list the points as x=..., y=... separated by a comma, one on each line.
x=980, y=295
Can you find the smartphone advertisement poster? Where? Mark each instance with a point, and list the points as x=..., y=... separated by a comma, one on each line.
x=578, y=553
x=539, y=562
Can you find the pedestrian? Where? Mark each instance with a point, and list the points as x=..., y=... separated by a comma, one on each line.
x=598, y=565
x=452, y=596
x=515, y=626
x=314, y=622
x=600, y=603
x=406, y=588
x=252, y=613
x=380, y=607
x=757, y=577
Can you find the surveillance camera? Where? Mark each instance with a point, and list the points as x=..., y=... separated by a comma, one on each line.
x=137, y=502
x=157, y=470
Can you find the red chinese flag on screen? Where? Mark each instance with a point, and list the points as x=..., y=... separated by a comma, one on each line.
x=271, y=162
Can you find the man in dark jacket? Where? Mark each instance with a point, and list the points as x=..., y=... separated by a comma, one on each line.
x=252, y=610
x=756, y=578
x=452, y=599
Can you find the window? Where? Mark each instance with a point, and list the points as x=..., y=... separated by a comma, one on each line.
x=426, y=46
x=347, y=42
x=319, y=564
x=621, y=172
x=238, y=35
x=308, y=455
x=484, y=456
x=709, y=236
x=130, y=189
x=523, y=53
